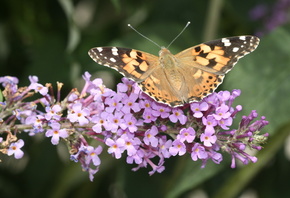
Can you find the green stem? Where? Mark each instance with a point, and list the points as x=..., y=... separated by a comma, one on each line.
x=212, y=19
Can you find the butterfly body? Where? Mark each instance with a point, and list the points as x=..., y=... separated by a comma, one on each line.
x=177, y=79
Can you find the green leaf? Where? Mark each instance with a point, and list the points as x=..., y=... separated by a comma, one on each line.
x=117, y=4
x=74, y=32
x=188, y=175
x=264, y=77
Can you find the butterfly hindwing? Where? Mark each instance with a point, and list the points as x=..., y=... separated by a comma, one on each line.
x=160, y=90
x=133, y=64
x=204, y=83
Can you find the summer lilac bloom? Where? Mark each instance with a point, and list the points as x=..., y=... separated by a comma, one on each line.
x=164, y=147
x=115, y=121
x=160, y=110
x=15, y=149
x=224, y=123
x=187, y=135
x=122, y=88
x=94, y=155
x=37, y=122
x=198, y=108
x=127, y=123
x=222, y=112
x=177, y=147
x=8, y=80
x=198, y=152
x=208, y=138
x=178, y=115
x=79, y=114
x=136, y=158
x=36, y=86
x=52, y=112
x=130, y=104
x=150, y=138
x=131, y=145
x=148, y=117
x=116, y=147
x=101, y=122
x=209, y=122
x=56, y=133
x=114, y=103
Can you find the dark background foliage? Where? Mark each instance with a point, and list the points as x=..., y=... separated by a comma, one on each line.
x=51, y=38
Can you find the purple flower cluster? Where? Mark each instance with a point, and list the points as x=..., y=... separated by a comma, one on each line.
x=271, y=16
x=128, y=123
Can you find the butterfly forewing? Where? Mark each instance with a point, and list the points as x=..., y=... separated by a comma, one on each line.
x=219, y=56
x=133, y=64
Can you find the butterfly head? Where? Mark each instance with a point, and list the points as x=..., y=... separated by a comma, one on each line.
x=164, y=51
x=166, y=58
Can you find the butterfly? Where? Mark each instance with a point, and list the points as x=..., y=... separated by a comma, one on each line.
x=178, y=79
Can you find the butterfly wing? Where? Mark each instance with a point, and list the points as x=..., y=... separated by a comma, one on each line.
x=207, y=63
x=133, y=64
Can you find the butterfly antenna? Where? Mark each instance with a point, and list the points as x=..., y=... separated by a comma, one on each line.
x=187, y=24
x=143, y=35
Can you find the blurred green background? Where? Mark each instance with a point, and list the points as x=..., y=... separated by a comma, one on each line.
x=51, y=38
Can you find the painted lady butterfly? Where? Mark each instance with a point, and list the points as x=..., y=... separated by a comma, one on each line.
x=177, y=79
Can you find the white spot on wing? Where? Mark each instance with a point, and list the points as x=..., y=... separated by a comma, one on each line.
x=235, y=49
x=113, y=60
x=100, y=49
x=115, y=51
x=226, y=42
x=242, y=38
